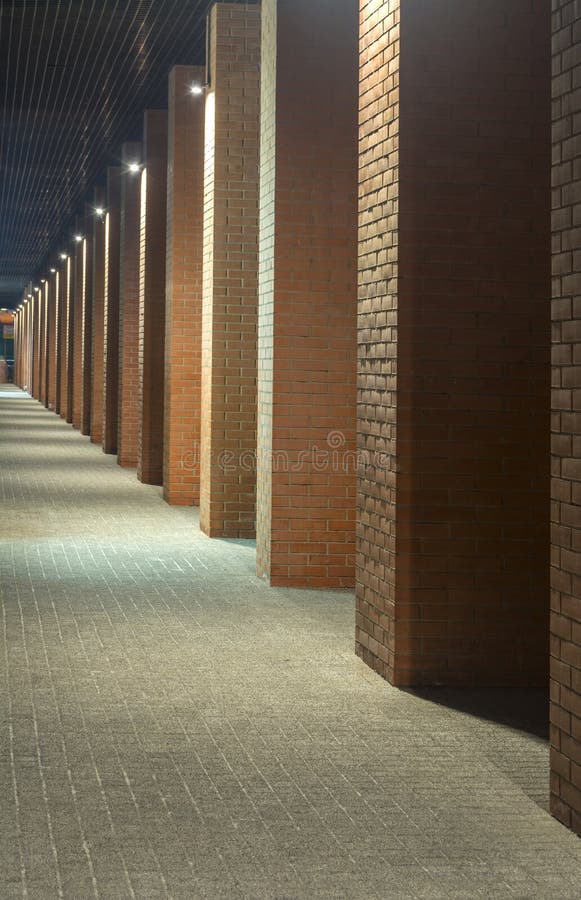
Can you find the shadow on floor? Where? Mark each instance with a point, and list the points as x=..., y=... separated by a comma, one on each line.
x=526, y=709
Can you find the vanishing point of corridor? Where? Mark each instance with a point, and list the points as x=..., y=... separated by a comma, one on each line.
x=174, y=728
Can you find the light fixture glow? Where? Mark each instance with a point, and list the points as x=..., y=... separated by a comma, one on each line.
x=99, y=211
x=43, y=280
x=36, y=288
x=78, y=238
x=134, y=167
x=196, y=89
x=52, y=271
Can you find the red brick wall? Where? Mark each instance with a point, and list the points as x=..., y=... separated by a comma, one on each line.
x=36, y=316
x=183, y=318
x=53, y=335
x=152, y=297
x=129, y=309
x=87, y=321
x=453, y=341
x=78, y=256
x=97, y=324
x=566, y=423
x=308, y=294
x=43, y=341
x=111, y=311
x=230, y=290
x=64, y=341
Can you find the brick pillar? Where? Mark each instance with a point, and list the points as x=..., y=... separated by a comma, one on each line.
x=66, y=353
x=87, y=320
x=183, y=324
x=35, y=342
x=97, y=325
x=153, y=226
x=129, y=308
x=111, y=311
x=307, y=298
x=452, y=581
x=41, y=340
x=53, y=335
x=77, y=282
x=230, y=290
x=566, y=423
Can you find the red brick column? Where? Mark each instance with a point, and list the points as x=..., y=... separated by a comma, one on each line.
x=153, y=226
x=183, y=328
x=566, y=425
x=35, y=342
x=452, y=580
x=228, y=430
x=77, y=283
x=87, y=320
x=42, y=340
x=111, y=311
x=129, y=308
x=47, y=295
x=308, y=289
x=66, y=381
x=53, y=339
x=97, y=325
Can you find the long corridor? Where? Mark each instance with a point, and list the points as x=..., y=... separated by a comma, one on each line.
x=174, y=728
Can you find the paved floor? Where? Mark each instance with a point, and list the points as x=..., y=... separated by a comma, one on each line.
x=171, y=727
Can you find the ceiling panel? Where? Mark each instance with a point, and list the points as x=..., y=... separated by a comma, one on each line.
x=75, y=77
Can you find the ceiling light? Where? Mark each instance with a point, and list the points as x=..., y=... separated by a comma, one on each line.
x=99, y=211
x=134, y=167
x=36, y=288
x=52, y=271
x=78, y=238
x=63, y=256
x=196, y=89
x=43, y=280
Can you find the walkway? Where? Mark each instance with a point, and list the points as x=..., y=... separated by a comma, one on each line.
x=174, y=728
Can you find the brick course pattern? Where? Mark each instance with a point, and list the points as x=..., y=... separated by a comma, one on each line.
x=152, y=261
x=53, y=338
x=87, y=322
x=452, y=579
x=183, y=319
x=98, y=313
x=65, y=337
x=230, y=276
x=129, y=309
x=566, y=421
x=308, y=294
x=111, y=311
x=77, y=287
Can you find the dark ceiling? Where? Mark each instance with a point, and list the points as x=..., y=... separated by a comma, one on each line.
x=75, y=77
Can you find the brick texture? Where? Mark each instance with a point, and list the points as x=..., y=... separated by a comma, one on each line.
x=183, y=319
x=129, y=309
x=43, y=340
x=36, y=315
x=152, y=262
x=53, y=336
x=111, y=311
x=77, y=293
x=308, y=294
x=87, y=320
x=566, y=420
x=453, y=487
x=230, y=273
x=98, y=312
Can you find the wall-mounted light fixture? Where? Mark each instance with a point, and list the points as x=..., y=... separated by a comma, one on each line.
x=63, y=256
x=134, y=167
x=99, y=211
x=78, y=238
